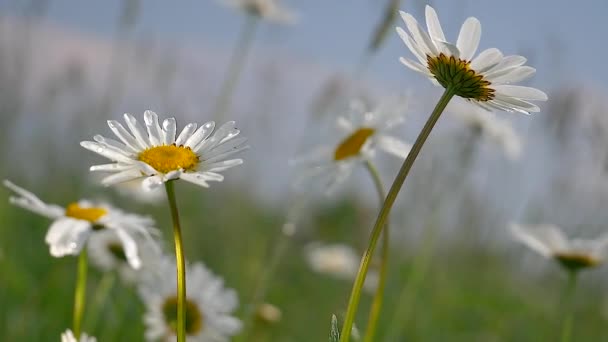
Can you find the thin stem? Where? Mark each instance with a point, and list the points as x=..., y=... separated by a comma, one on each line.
x=80, y=292
x=181, y=265
x=237, y=63
x=355, y=295
x=568, y=304
x=374, y=313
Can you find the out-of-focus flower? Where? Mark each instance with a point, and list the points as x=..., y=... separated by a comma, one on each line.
x=196, y=155
x=209, y=306
x=68, y=336
x=338, y=260
x=364, y=132
x=269, y=10
x=485, y=80
x=268, y=313
x=490, y=126
x=73, y=226
x=549, y=241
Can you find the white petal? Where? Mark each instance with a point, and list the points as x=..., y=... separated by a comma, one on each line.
x=521, y=92
x=105, y=151
x=221, y=165
x=225, y=150
x=137, y=130
x=197, y=178
x=123, y=135
x=545, y=239
x=185, y=134
x=486, y=60
x=448, y=49
x=226, y=130
x=31, y=202
x=468, y=39
x=67, y=236
x=130, y=248
x=169, y=130
x=511, y=104
x=419, y=35
x=412, y=45
x=344, y=124
x=123, y=176
x=200, y=135
x=154, y=130
x=505, y=64
x=114, y=145
x=433, y=24
x=114, y=167
x=415, y=66
x=393, y=145
x=515, y=75
x=152, y=182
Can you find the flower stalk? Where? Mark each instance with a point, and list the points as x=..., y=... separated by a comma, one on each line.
x=181, y=265
x=355, y=295
x=568, y=300
x=80, y=292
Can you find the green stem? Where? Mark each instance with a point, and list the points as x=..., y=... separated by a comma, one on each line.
x=568, y=303
x=355, y=295
x=80, y=292
x=237, y=62
x=374, y=313
x=181, y=265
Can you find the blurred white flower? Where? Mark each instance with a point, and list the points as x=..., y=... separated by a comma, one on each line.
x=68, y=336
x=106, y=252
x=338, y=260
x=73, y=226
x=196, y=155
x=484, y=80
x=268, y=313
x=363, y=133
x=269, y=10
x=549, y=241
x=209, y=306
x=135, y=190
x=490, y=126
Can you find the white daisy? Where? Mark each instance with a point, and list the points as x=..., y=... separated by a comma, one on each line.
x=484, y=80
x=549, y=241
x=73, y=225
x=363, y=132
x=208, y=304
x=106, y=252
x=68, y=336
x=490, y=126
x=338, y=260
x=269, y=10
x=195, y=155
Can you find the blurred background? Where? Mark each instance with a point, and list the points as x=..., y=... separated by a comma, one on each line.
x=66, y=67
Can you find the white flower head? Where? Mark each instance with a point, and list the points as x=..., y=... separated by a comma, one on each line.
x=490, y=126
x=68, y=336
x=484, y=80
x=269, y=10
x=549, y=241
x=158, y=156
x=362, y=133
x=209, y=306
x=338, y=260
x=73, y=226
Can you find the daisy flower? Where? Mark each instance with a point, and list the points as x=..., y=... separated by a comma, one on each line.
x=74, y=225
x=106, y=252
x=338, y=260
x=485, y=80
x=363, y=133
x=208, y=304
x=572, y=254
x=489, y=126
x=68, y=336
x=269, y=10
x=195, y=155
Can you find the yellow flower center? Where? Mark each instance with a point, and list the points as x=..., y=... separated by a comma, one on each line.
x=88, y=214
x=167, y=158
x=194, y=317
x=457, y=74
x=351, y=146
x=576, y=261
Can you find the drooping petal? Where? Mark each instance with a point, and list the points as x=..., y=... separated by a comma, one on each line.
x=544, y=239
x=67, y=236
x=521, y=92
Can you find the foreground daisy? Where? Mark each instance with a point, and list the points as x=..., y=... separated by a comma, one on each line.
x=362, y=134
x=490, y=126
x=72, y=226
x=208, y=304
x=549, y=241
x=484, y=80
x=269, y=10
x=68, y=336
x=158, y=156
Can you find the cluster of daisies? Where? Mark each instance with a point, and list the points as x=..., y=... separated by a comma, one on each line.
x=151, y=153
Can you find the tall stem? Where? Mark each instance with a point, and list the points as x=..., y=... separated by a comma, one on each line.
x=568, y=304
x=237, y=63
x=80, y=292
x=374, y=313
x=355, y=295
x=181, y=265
